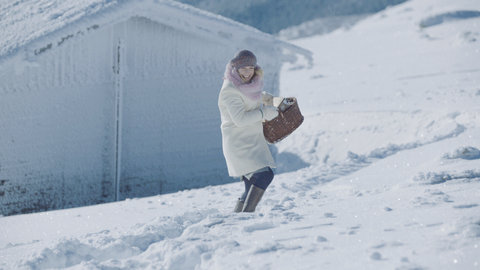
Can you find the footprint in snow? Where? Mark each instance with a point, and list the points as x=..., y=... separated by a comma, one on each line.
x=317, y=195
x=432, y=198
x=352, y=230
x=292, y=216
x=465, y=206
x=287, y=203
x=468, y=153
x=388, y=244
x=376, y=256
x=434, y=178
x=259, y=227
x=274, y=247
x=434, y=224
x=329, y=215
x=321, y=239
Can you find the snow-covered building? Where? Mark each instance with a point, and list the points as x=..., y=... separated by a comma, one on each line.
x=106, y=100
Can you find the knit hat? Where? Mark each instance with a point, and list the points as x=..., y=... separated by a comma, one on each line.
x=244, y=58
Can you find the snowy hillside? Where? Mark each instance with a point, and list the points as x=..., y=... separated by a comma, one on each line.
x=383, y=174
x=271, y=16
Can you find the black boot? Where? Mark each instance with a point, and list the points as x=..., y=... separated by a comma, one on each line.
x=254, y=196
x=239, y=206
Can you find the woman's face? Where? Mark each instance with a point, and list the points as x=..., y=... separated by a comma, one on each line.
x=246, y=73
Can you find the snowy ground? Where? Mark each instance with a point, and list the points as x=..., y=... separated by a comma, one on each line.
x=383, y=174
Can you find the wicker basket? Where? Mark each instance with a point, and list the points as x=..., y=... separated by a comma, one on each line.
x=284, y=124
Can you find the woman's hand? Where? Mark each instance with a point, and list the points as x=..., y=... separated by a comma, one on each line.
x=269, y=112
x=267, y=99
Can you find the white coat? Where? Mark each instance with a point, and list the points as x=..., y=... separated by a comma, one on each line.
x=244, y=145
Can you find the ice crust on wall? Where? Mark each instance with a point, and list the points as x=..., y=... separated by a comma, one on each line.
x=30, y=21
x=57, y=116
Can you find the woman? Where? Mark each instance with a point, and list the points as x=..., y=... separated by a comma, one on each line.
x=242, y=112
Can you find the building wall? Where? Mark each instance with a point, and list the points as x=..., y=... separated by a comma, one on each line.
x=170, y=133
x=56, y=138
x=123, y=111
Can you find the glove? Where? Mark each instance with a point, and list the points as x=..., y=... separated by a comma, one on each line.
x=267, y=99
x=269, y=112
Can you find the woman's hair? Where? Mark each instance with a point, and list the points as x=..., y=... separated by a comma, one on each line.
x=258, y=71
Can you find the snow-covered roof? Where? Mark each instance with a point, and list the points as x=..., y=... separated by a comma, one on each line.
x=27, y=21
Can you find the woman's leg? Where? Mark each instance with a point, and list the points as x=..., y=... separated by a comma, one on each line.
x=248, y=184
x=241, y=200
x=260, y=181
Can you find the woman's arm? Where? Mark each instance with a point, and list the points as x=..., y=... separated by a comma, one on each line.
x=237, y=112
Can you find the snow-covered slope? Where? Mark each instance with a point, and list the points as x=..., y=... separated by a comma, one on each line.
x=271, y=16
x=383, y=174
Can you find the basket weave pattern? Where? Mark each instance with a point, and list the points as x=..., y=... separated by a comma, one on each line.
x=284, y=124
